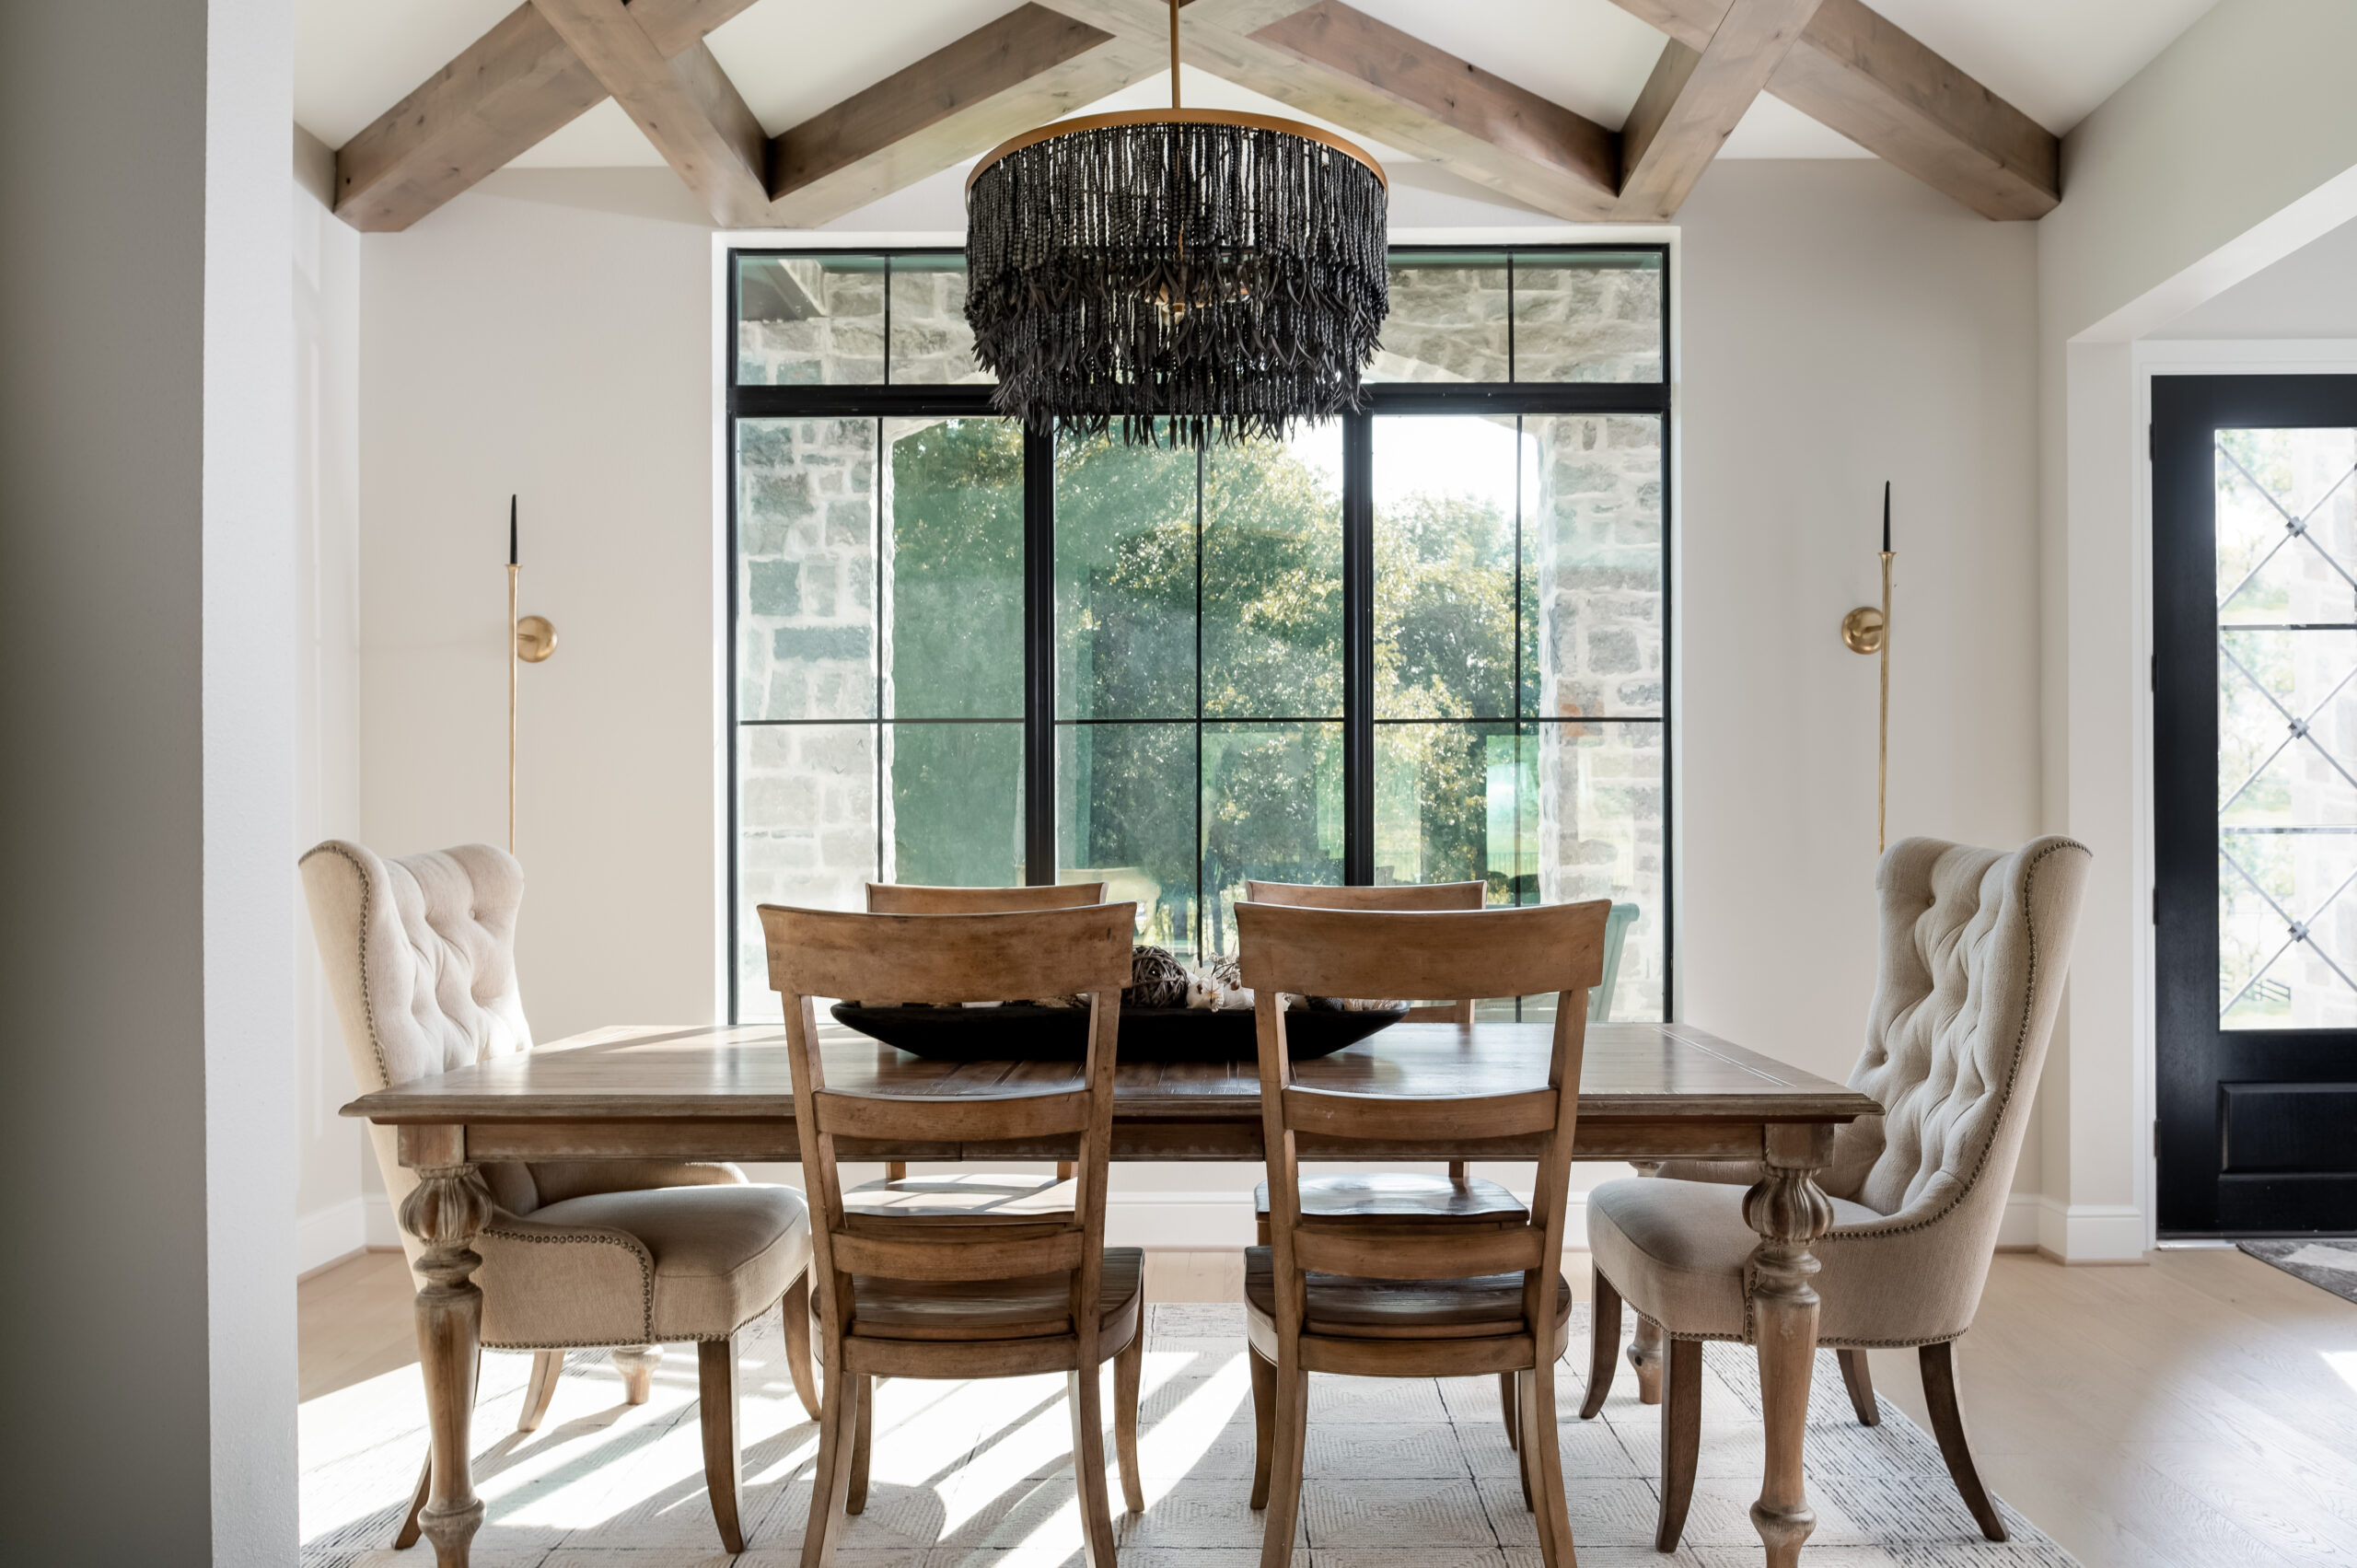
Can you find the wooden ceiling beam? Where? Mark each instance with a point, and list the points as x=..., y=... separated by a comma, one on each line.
x=502, y=95
x=1853, y=72
x=1693, y=100
x=1027, y=67
x=686, y=104
x=1369, y=78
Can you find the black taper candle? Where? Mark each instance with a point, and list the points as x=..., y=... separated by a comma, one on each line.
x=1886, y=516
x=511, y=529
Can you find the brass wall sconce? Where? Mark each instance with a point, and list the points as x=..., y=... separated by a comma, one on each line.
x=530, y=640
x=1866, y=629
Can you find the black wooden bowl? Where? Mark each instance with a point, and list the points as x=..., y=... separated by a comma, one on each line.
x=1020, y=1032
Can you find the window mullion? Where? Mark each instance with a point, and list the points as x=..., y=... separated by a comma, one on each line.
x=1358, y=649
x=1039, y=657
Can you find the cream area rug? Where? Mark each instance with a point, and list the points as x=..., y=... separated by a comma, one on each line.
x=1401, y=1474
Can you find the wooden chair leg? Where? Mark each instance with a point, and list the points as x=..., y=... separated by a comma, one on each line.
x=407, y=1535
x=1084, y=1391
x=1540, y=1440
x=1523, y=1458
x=830, y=1477
x=1291, y=1438
x=895, y=1170
x=1509, y=1406
x=547, y=1365
x=1457, y=1170
x=1860, y=1381
x=1681, y=1436
x=1603, y=1344
x=1947, y=1426
x=716, y=1391
x=1264, y=1425
x=637, y=1365
x=796, y=1307
x=1064, y=1169
x=863, y=1439
x=1645, y=1356
x=1129, y=1369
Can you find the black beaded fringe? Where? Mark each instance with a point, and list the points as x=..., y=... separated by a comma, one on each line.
x=1181, y=281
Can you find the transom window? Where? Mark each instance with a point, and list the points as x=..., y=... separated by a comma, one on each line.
x=1422, y=643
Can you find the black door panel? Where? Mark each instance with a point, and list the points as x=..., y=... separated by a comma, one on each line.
x=2255, y=801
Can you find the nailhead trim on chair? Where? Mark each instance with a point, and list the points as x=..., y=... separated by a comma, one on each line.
x=674, y=1339
x=368, y=1003
x=1964, y=1189
x=595, y=1238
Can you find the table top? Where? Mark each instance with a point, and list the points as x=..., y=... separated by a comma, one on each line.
x=1631, y=1071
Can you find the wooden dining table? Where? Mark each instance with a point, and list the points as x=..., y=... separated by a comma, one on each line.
x=1648, y=1092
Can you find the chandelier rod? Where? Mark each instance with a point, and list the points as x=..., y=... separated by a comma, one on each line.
x=1174, y=53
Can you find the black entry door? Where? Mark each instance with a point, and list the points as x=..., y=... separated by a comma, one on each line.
x=2255, y=797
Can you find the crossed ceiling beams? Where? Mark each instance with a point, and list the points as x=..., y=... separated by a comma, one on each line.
x=548, y=60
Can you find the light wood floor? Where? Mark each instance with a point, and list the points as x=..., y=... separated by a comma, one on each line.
x=2180, y=1415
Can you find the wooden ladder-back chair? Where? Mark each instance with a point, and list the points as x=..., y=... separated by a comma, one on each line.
x=914, y=898
x=935, y=1297
x=1396, y=1197
x=1413, y=1300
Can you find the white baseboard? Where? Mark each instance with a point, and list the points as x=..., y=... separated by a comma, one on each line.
x=2090, y=1233
x=2018, y=1230
x=327, y=1235
x=1194, y=1221
x=381, y=1230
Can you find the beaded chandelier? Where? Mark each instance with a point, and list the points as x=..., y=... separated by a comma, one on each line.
x=1180, y=276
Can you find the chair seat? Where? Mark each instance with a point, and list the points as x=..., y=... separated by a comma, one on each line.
x=1383, y=1196
x=1345, y=1306
x=1676, y=1252
x=965, y=1195
x=641, y=1267
x=1035, y=1306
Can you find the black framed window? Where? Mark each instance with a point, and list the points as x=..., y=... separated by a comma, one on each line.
x=1426, y=642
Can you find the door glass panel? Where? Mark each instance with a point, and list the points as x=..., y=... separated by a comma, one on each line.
x=2287, y=728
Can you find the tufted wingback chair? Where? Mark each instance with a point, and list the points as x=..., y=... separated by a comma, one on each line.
x=420, y=955
x=1975, y=943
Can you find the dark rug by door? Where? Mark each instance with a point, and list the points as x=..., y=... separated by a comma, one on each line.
x=2328, y=1265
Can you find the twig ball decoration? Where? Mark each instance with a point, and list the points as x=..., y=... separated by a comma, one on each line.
x=1177, y=276
x=1156, y=978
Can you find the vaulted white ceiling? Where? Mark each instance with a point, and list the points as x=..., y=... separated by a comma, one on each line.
x=2055, y=60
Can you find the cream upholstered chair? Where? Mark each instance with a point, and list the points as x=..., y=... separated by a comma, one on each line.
x=419, y=954
x=1975, y=945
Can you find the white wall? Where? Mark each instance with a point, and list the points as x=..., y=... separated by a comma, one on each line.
x=527, y=339
x=551, y=332
x=2312, y=293
x=335, y=1169
x=1844, y=325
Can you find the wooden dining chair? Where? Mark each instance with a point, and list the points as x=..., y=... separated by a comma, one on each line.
x=935, y=1297
x=1975, y=944
x=1394, y=1197
x=967, y=1192
x=1414, y=1300
x=420, y=955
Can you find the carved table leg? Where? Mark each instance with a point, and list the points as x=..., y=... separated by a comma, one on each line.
x=1646, y=1345
x=1789, y=1213
x=450, y=1205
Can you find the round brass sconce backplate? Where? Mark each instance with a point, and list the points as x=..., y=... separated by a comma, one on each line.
x=1860, y=630
x=535, y=638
